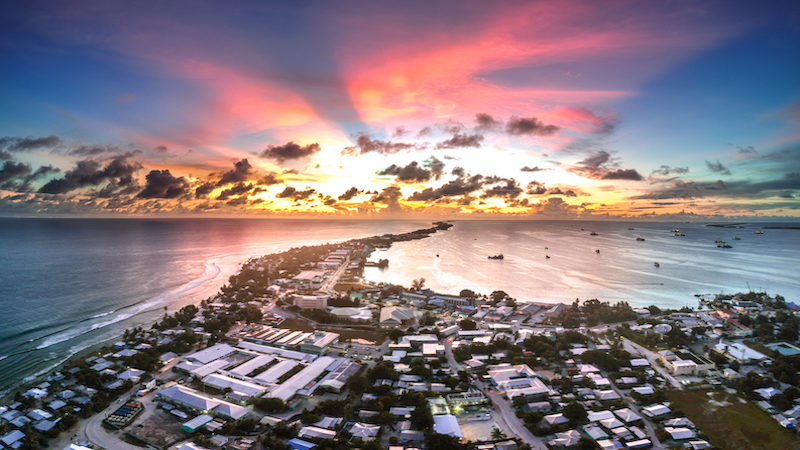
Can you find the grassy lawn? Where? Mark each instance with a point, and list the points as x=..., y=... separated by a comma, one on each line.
x=731, y=424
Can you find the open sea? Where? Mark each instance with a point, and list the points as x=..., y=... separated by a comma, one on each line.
x=68, y=284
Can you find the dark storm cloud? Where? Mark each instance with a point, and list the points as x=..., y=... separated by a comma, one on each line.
x=412, y=173
x=289, y=151
x=461, y=141
x=389, y=196
x=532, y=169
x=365, y=144
x=459, y=172
x=601, y=166
x=451, y=127
x=508, y=188
x=400, y=132
x=294, y=194
x=203, y=190
x=458, y=187
x=536, y=188
x=237, y=189
x=748, y=150
x=717, y=167
x=667, y=170
x=17, y=144
x=162, y=184
x=529, y=126
x=557, y=191
x=719, y=185
x=431, y=168
x=93, y=150
x=92, y=173
x=12, y=170
x=349, y=194
x=485, y=122
x=241, y=172
x=4, y=155
x=269, y=179
x=426, y=131
x=622, y=174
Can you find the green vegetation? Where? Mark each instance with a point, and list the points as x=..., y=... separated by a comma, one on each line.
x=593, y=312
x=731, y=424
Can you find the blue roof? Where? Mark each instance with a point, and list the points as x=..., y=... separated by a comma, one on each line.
x=299, y=444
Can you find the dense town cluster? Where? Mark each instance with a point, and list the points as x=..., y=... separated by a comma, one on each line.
x=299, y=352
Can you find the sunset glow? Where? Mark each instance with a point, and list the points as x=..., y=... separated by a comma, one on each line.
x=468, y=109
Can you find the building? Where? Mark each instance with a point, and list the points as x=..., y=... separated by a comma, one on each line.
x=517, y=380
x=443, y=300
x=317, y=301
x=394, y=317
x=736, y=351
x=309, y=279
x=555, y=311
x=193, y=401
x=319, y=343
x=447, y=424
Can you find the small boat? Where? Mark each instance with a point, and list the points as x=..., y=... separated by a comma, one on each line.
x=592, y=234
x=545, y=248
x=500, y=256
x=582, y=229
x=437, y=255
x=597, y=251
x=724, y=245
x=639, y=238
x=674, y=230
x=719, y=241
x=679, y=234
x=547, y=256
x=630, y=228
x=758, y=232
x=657, y=264
x=737, y=238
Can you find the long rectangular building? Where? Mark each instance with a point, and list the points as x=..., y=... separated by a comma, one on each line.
x=289, y=388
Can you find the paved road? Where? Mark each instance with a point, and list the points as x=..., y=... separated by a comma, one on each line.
x=92, y=430
x=455, y=367
x=651, y=432
x=633, y=348
x=514, y=422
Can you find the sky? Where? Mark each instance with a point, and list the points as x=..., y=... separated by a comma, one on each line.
x=676, y=109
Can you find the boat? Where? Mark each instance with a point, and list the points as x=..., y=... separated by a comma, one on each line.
x=500, y=256
x=737, y=238
x=630, y=228
x=597, y=251
x=719, y=241
x=437, y=255
x=674, y=230
x=547, y=256
x=679, y=234
x=758, y=232
x=592, y=234
x=657, y=264
x=639, y=238
x=724, y=245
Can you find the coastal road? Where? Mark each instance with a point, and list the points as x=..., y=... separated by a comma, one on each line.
x=634, y=348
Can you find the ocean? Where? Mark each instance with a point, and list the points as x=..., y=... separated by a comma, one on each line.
x=68, y=284
x=623, y=270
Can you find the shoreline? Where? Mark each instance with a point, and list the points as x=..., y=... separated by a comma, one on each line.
x=41, y=376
